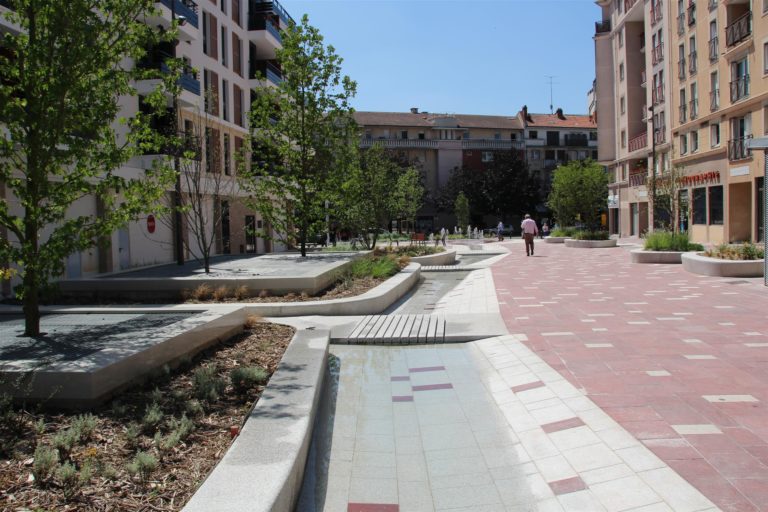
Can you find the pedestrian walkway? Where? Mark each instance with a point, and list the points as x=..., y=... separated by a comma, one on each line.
x=678, y=360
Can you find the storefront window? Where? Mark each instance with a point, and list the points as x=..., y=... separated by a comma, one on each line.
x=716, y=205
x=700, y=206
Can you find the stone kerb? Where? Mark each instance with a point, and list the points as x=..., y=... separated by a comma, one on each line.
x=264, y=466
x=440, y=258
x=590, y=244
x=555, y=239
x=369, y=303
x=697, y=263
x=664, y=257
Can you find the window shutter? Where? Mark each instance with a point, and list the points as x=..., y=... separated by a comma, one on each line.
x=236, y=59
x=236, y=12
x=238, y=104
x=214, y=93
x=214, y=47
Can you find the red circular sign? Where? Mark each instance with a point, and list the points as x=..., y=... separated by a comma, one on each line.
x=151, y=223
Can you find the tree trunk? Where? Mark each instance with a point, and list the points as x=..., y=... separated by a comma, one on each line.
x=207, y=262
x=31, y=303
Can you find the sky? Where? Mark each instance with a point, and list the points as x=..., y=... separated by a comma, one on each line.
x=467, y=57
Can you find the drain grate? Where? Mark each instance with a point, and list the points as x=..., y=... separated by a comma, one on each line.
x=398, y=329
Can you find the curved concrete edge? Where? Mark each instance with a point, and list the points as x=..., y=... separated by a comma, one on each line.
x=264, y=467
x=440, y=258
x=643, y=256
x=369, y=303
x=697, y=263
x=555, y=239
x=590, y=244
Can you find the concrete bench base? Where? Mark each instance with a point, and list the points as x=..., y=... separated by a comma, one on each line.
x=697, y=263
x=555, y=239
x=643, y=256
x=441, y=258
x=590, y=244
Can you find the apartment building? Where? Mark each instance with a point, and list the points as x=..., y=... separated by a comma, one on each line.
x=223, y=43
x=676, y=114
x=440, y=143
x=632, y=89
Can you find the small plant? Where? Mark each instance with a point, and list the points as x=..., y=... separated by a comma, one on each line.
x=68, y=477
x=156, y=395
x=252, y=321
x=563, y=232
x=132, y=434
x=241, y=293
x=143, y=465
x=263, y=294
x=184, y=426
x=669, y=241
x=207, y=384
x=108, y=473
x=65, y=441
x=194, y=408
x=40, y=427
x=591, y=235
x=745, y=251
x=153, y=416
x=245, y=378
x=118, y=409
x=84, y=425
x=201, y=293
x=45, y=460
x=221, y=293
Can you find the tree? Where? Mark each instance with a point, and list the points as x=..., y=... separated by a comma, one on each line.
x=461, y=210
x=665, y=199
x=63, y=76
x=302, y=137
x=408, y=195
x=579, y=191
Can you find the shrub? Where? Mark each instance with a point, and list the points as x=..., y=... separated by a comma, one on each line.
x=591, y=235
x=252, y=321
x=669, y=241
x=84, y=426
x=241, y=292
x=563, y=232
x=263, y=294
x=156, y=395
x=220, y=293
x=183, y=426
x=202, y=292
x=132, y=433
x=207, y=384
x=245, y=378
x=40, y=427
x=374, y=266
x=153, y=416
x=65, y=441
x=46, y=458
x=68, y=477
x=109, y=473
x=745, y=251
x=194, y=408
x=143, y=465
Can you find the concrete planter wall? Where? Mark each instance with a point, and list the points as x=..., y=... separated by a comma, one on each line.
x=697, y=263
x=643, y=256
x=555, y=239
x=590, y=244
x=441, y=258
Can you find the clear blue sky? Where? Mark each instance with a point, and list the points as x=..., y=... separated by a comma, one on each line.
x=469, y=56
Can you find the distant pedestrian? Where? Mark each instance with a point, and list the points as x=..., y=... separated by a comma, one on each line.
x=500, y=232
x=545, y=230
x=530, y=230
x=443, y=235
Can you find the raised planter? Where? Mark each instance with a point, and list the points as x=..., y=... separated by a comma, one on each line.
x=643, y=256
x=697, y=263
x=440, y=258
x=590, y=244
x=555, y=239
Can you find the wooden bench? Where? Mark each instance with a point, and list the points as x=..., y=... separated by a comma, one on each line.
x=419, y=238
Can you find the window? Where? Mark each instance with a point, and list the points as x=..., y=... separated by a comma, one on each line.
x=623, y=138
x=210, y=36
x=623, y=105
x=512, y=136
x=683, y=107
x=487, y=156
x=700, y=205
x=535, y=154
x=238, y=104
x=533, y=134
x=224, y=6
x=765, y=58
x=694, y=141
x=621, y=72
x=621, y=37
x=225, y=99
x=224, y=46
x=694, y=100
x=404, y=134
x=692, y=55
x=592, y=135
x=681, y=61
x=714, y=91
x=237, y=52
x=227, y=158
x=421, y=136
x=739, y=79
x=684, y=144
x=716, y=205
x=497, y=136
x=368, y=134
x=714, y=135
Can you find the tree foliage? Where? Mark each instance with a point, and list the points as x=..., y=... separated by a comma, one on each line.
x=63, y=75
x=665, y=197
x=461, y=210
x=579, y=191
x=303, y=138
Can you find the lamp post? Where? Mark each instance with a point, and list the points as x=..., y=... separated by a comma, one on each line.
x=653, y=165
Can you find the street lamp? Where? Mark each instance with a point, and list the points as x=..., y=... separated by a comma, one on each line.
x=654, y=130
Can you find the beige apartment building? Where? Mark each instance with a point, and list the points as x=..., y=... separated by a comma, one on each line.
x=439, y=143
x=224, y=43
x=705, y=82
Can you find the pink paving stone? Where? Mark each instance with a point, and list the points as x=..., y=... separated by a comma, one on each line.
x=672, y=449
x=399, y=378
x=402, y=398
x=526, y=387
x=557, y=426
x=426, y=369
x=568, y=485
x=431, y=387
x=644, y=413
x=372, y=507
x=756, y=489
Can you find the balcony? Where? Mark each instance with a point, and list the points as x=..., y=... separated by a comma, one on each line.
x=658, y=95
x=628, y=4
x=265, y=69
x=185, y=8
x=639, y=142
x=683, y=113
x=681, y=68
x=656, y=12
x=574, y=140
x=738, y=150
x=714, y=100
x=713, y=49
x=739, y=88
x=692, y=14
x=712, y=5
x=660, y=135
x=492, y=144
x=693, y=105
x=257, y=23
x=637, y=180
x=692, y=62
x=155, y=59
x=658, y=54
x=643, y=79
x=403, y=143
x=739, y=30
x=273, y=7
x=602, y=27
x=681, y=24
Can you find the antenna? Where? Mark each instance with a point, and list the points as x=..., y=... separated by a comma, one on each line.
x=551, y=82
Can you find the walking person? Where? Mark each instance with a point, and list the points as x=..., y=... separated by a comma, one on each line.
x=530, y=230
x=499, y=231
x=443, y=235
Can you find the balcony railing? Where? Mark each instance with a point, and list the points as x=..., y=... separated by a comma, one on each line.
x=400, y=143
x=692, y=62
x=268, y=70
x=185, y=8
x=658, y=54
x=738, y=150
x=656, y=12
x=739, y=30
x=602, y=27
x=637, y=180
x=692, y=14
x=155, y=59
x=739, y=88
x=683, y=113
x=576, y=140
x=643, y=78
x=639, y=142
x=713, y=49
x=681, y=68
x=694, y=107
x=658, y=95
x=714, y=100
x=257, y=21
x=274, y=7
x=681, y=24
x=491, y=144
x=660, y=135
x=628, y=4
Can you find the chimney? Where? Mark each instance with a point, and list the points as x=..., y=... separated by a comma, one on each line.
x=414, y=110
x=559, y=113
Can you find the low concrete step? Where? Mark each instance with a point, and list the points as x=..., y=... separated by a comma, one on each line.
x=397, y=329
x=446, y=268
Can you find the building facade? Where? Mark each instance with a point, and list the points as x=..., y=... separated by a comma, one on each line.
x=440, y=143
x=712, y=57
x=228, y=47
